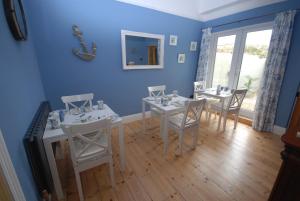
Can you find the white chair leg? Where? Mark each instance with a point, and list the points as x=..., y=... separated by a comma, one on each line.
x=209, y=115
x=180, y=142
x=79, y=186
x=195, y=137
x=150, y=121
x=225, y=121
x=236, y=120
x=111, y=172
x=206, y=112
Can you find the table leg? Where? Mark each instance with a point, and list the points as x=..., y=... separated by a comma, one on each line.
x=122, y=147
x=165, y=132
x=221, y=113
x=53, y=169
x=144, y=116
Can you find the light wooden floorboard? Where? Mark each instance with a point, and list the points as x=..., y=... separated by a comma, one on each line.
x=5, y=193
x=237, y=165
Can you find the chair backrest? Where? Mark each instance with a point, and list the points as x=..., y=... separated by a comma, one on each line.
x=70, y=100
x=156, y=91
x=200, y=85
x=86, y=140
x=236, y=100
x=193, y=113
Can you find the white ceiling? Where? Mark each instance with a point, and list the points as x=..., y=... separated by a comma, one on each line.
x=202, y=10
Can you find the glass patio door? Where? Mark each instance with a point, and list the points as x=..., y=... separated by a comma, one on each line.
x=252, y=68
x=223, y=60
x=237, y=60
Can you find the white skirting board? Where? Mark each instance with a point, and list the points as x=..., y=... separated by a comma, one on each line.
x=277, y=130
x=134, y=117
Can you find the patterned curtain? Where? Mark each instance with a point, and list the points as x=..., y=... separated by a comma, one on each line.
x=266, y=104
x=203, y=57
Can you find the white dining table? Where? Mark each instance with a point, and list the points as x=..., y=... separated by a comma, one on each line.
x=222, y=96
x=177, y=104
x=57, y=135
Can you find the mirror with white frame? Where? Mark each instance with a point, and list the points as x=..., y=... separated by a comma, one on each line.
x=142, y=50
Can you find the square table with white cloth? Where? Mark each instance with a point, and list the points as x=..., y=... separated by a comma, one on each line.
x=57, y=135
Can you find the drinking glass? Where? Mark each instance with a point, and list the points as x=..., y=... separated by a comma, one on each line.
x=175, y=93
x=100, y=104
x=157, y=100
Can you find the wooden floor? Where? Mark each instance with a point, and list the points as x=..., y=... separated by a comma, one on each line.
x=235, y=165
x=5, y=193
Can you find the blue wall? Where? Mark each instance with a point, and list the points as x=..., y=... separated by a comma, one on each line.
x=102, y=21
x=21, y=93
x=292, y=73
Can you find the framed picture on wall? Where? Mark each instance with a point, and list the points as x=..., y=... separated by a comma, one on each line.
x=193, y=46
x=181, y=58
x=173, y=40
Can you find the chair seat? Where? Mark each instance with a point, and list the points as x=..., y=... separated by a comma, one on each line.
x=176, y=120
x=89, y=152
x=218, y=107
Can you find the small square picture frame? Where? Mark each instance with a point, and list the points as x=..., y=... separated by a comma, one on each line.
x=193, y=46
x=181, y=58
x=173, y=40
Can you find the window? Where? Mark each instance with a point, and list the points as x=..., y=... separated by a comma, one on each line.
x=222, y=65
x=237, y=60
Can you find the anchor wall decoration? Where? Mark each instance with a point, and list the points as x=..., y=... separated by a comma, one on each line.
x=84, y=54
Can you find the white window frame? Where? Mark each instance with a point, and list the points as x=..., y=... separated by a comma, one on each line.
x=237, y=58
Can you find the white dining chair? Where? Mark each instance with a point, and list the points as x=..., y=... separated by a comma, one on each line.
x=90, y=146
x=232, y=106
x=188, y=120
x=70, y=101
x=198, y=87
x=156, y=92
